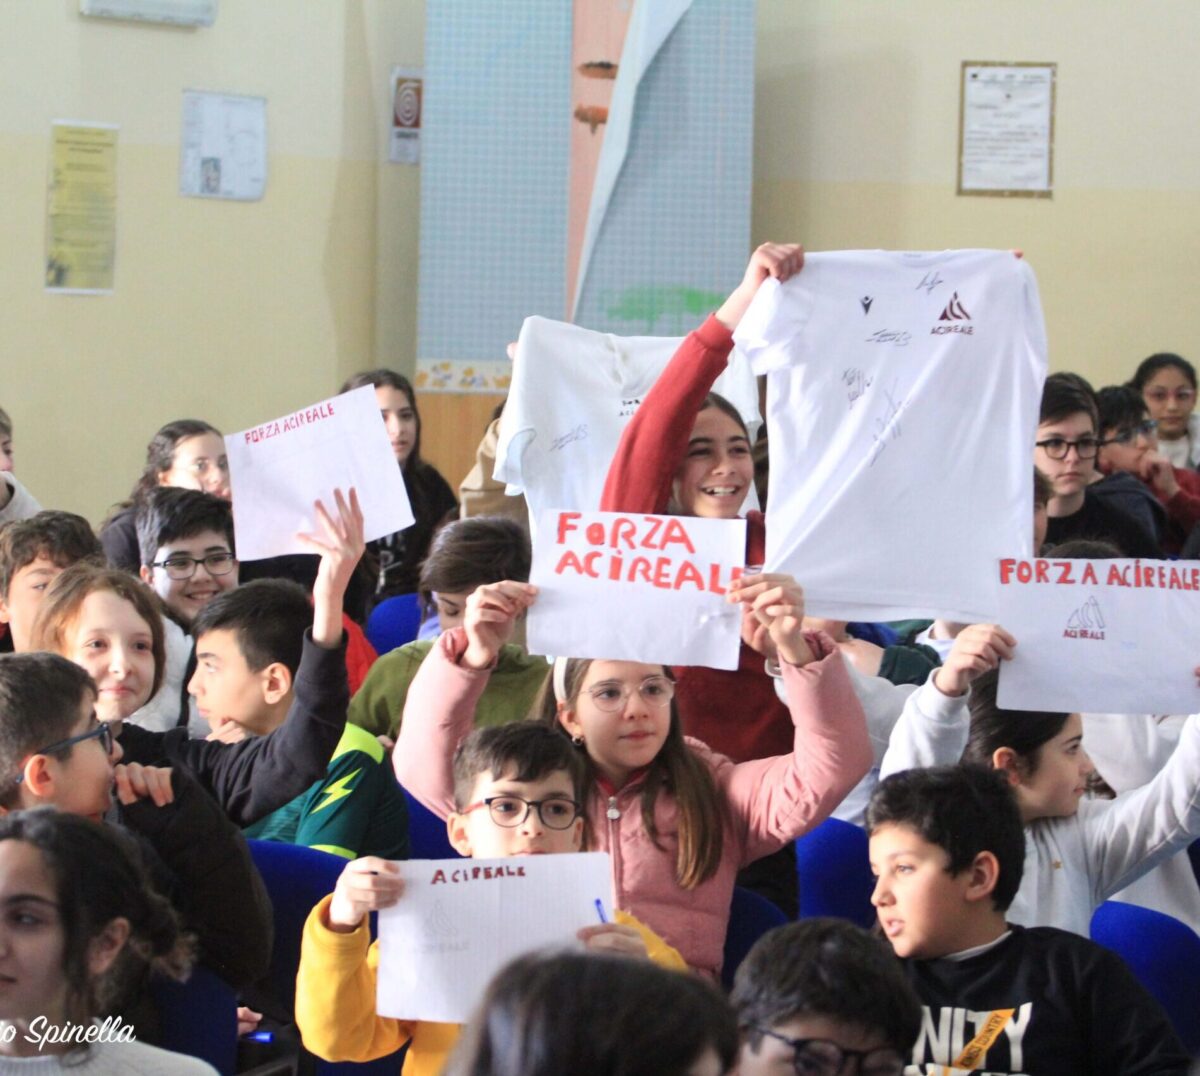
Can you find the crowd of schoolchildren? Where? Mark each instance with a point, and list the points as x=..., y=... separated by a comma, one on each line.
x=164, y=703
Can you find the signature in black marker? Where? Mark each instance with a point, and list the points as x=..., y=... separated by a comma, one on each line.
x=578, y=434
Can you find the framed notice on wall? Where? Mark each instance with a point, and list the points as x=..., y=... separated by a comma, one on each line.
x=1006, y=129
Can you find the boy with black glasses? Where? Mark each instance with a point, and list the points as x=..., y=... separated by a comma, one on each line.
x=517, y=791
x=1065, y=452
x=823, y=997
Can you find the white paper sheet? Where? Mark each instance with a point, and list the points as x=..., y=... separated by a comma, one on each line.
x=277, y=470
x=223, y=151
x=1108, y=636
x=629, y=587
x=460, y=921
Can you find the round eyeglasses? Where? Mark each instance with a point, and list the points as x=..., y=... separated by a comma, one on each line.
x=1058, y=447
x=178, y=566
x=822, y=1057
x=556, y=812
x=1131, y=433
x=612, y=695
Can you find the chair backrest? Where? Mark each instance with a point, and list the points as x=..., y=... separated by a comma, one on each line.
x=394, y=622
x=835, y=873
x=750, y=917
x=427, y=837
x=198, y=1018
x=1164, y=955
x=296, y=879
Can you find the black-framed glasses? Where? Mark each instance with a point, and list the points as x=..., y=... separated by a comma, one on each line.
x=102, y=732
x=611, y=695
x=1127, y=435
x=180, y=566
x=556, y=812
x=822, y=1057
x=1058, y=447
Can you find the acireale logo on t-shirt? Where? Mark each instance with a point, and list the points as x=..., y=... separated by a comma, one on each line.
x=952, y=318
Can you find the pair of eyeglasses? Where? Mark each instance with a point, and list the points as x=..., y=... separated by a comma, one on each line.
x=821, y=1057
x=1058, y=447
x=556, y=812
x=1131, y=433
x=1161, y=396
x=179, y=566
x=612, y=695
x=102, y=732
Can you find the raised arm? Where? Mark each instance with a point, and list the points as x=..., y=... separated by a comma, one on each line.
x=440, y=709
x=934, y=725
x=1129, y=836
x=777, y=799
x=654, y=444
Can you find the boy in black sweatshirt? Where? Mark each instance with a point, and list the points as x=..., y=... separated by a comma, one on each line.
x=948, y=849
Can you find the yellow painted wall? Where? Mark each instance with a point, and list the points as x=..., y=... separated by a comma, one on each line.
x=856, y=143
x=237, y=312
x=231, y=312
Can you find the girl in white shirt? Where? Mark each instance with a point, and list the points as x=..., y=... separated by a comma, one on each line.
x=1079, y=851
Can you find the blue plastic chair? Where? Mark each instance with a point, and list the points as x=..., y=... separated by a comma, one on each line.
x=296, y=879
x=750, y=917
x=1163, y=954
x=198, y=1018
x=834, y=865
x=427, y=837
x=394, y=622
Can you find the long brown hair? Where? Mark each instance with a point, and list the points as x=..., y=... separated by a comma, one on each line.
x=675, y=771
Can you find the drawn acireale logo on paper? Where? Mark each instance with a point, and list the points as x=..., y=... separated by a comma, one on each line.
x=1087, y=622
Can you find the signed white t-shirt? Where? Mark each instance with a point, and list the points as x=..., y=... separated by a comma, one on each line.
x=573, y=392
x=902, y=400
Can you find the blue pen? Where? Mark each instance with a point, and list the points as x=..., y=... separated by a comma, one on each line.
x=600, y=911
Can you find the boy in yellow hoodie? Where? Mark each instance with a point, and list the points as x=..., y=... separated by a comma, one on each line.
x=516, y=789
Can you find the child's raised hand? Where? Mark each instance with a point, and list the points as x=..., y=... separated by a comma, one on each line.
x=137, y=782
x=612, y=938
x=776, y=602
x=491, y=614
x=1158, y=471
x=227, y=731
x=340, y=545
x=976, y=649
x=780, y=260
x=365, y=885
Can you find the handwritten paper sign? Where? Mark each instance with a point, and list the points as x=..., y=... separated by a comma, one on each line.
x=1109, y=636
x=628, y=587
x=278, y=469
x=460, y=921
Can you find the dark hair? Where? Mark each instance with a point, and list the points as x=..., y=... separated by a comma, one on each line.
x=1024, y=731
x=62, y=537
x=66, y=595
x=384, y=378
x=964, y=810
x=521, y=750
x=40, y=696
x=717, y=401
x=1160, y=361
x=1119, y=407
x=6, y=426
x=268, y=618
x=160, y=452
x=170, y=513
x=829, y=968
x=1067, y=394
x=547, y=1015
x=1043, y=489
x=468, y=553
x=703, y=811
x=98, y=877
x=1084, y=549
